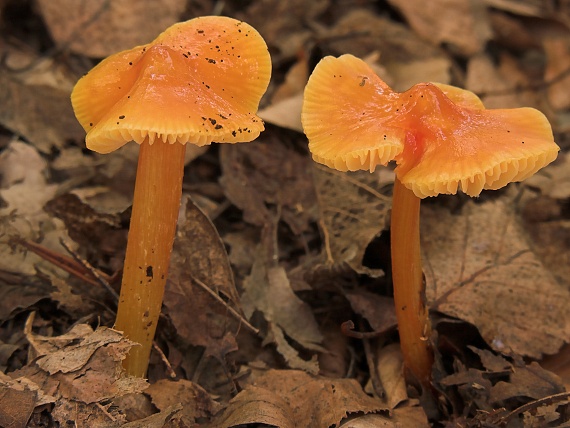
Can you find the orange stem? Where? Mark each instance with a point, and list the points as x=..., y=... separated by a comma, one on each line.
x=409, y=292
x=156, y=203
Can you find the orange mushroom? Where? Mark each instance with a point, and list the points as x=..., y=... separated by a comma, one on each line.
x=199, y=81
x=442, y=139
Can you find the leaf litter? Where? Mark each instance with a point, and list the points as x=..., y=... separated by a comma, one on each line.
x=274, y=253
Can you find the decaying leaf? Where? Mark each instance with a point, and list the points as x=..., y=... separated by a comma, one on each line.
x=390, y=369
x=199, y=256
x=378, y=310
x=24, y=192
x=268, y=291
x=266, y=173
x=353, y=209
x=479, y=268
x=42, y=114
x=461, y=23
x=196, y=402
x=290, y=398
x=100, y=28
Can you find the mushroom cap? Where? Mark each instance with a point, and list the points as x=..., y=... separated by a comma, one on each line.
x=197, y=82
x=441, y=137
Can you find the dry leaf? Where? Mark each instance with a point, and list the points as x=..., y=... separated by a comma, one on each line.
x=199, y=255
x=353, y=209
x=267, y=173
x=24, y=192
x=98, y=28
x=403, y=417
x=390, y=369
x=16, y=406
x=196, y=402
x=378, y=310
x=463, y=24
x=289, y=398
x=530, y=381
x=479, y=268
x=268, y=291
x=42, y=114
x=256, y=406
x=557, y=49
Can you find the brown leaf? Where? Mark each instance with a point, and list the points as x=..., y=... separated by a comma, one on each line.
x=460, y=23
x=199, y=255
x=159, y=420
x=98, y=28
x=267, y=290
x=256, y=406
x=390, y=369
x=402, y=417
x=290, y=398
x=530, y=381
x=479, y=268
x=196, y=402
x=16, y=406
x=353, y=209
x=42, y=114
x=266, y=172
x=378, y=310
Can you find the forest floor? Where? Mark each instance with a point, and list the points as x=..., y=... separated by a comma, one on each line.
x=274, y=253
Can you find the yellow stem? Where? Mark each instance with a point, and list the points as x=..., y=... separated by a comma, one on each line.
x=409, y=292
x=156, y=204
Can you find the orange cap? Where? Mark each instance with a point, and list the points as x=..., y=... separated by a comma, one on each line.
x=441, y=137
x=199, y=81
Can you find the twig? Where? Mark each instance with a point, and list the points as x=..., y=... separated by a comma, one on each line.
x=95, y=272
x=169, y=368
x=347, y=328
x=235, y=313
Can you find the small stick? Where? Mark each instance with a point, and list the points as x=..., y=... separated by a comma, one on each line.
x=169, y=368
x=235, y=313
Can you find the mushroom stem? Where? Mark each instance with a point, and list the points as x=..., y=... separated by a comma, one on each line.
x=409, y=291
x=156, y=204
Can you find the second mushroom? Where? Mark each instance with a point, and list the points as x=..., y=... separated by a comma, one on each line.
x=442, y=139
x=200, y=81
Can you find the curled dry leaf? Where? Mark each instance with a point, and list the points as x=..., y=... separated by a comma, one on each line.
x=353, y=210
x=290, y=398
x=479, y=268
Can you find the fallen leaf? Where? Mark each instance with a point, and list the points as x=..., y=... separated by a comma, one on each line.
x=530, y=381
x=158, y=420
x=266, y=173
x=353, y=210
x=390, y=369
x=199, y=255
x=196, y=402
x=479, y=268
x=290, y=398
x=99, y=28
x=41, y=114
x=268, y=291
x=16, y=406
x=256, y=406
x=462, y=24
x=379, y=311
